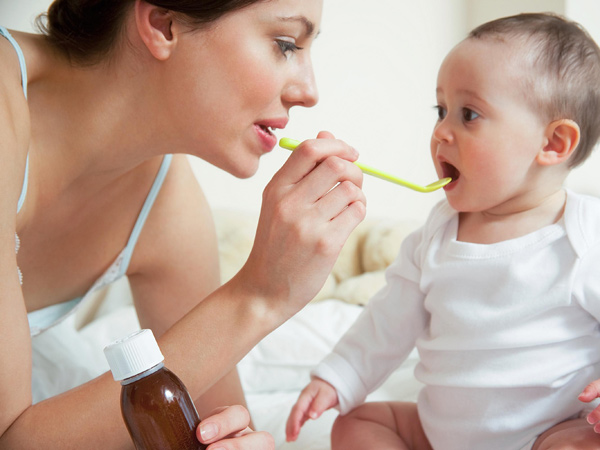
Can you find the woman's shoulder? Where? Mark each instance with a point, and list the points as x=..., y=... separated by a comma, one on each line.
x=14, y=121
x=180, y=218
x=181, y=203
x=10, y=73
x=11, y=88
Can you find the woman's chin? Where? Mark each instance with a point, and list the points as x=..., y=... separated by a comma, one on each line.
x=243, y=172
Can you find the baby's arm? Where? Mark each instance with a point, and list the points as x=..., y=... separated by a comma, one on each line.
x=379, y=340
x=586, y=290
x=314, y=400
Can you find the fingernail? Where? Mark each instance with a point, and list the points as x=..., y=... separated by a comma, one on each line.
x=208, y=431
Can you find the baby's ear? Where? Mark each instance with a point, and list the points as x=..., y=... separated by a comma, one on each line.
x=562, y=139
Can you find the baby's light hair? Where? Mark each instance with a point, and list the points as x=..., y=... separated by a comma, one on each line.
x=565, y=78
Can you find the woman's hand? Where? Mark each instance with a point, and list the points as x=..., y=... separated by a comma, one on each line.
x=309, y=208
x=227, y=429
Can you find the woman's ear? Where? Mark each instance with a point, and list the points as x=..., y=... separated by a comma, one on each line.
x=154, y=26
x=562, y=140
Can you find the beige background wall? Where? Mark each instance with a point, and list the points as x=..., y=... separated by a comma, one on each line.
x=376, y=67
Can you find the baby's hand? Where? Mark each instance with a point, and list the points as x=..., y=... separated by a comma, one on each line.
x=591, y=392
x=314, y=400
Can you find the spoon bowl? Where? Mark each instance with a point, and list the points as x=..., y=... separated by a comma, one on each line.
x=291, y=144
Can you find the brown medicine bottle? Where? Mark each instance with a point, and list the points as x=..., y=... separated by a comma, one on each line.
x=157, y=408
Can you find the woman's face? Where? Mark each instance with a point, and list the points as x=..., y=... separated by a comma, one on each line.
x=236, y=81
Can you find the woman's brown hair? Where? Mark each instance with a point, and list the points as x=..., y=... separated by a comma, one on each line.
x=87, y=30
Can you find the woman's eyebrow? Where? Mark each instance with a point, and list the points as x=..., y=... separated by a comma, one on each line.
x=308, y=25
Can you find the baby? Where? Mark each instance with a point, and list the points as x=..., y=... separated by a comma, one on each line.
x=500, y=289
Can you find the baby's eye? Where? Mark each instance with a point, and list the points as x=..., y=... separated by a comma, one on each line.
x=287, y=46
x=469, y=115
x=441, y=111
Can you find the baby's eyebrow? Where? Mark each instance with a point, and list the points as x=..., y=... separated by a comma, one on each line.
x=465, y=92
x=308, y=25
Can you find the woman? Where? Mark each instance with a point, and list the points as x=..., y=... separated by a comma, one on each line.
x=112, y=89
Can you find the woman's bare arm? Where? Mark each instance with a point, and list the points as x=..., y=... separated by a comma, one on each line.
x=305, y=220
x=176, y=265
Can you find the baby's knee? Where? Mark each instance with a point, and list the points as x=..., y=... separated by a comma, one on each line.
x=366, y=411
x=570, y=435
x=341, y=423
x=349, y=421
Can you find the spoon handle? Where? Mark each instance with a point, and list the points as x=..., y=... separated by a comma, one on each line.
x=291, y=144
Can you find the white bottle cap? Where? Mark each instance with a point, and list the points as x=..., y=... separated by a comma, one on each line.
x=133, y=354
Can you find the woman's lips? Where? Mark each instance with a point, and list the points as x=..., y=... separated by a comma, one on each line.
x=264, y=129
x=266, y=137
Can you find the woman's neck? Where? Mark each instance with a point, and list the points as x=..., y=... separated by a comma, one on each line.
x=88, y=125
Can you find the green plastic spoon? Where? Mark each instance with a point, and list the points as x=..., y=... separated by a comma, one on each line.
x=291, y=144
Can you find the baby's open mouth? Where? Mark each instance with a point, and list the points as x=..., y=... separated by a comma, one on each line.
x=448, y=170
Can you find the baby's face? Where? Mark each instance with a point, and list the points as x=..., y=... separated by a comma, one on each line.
x=487, y=136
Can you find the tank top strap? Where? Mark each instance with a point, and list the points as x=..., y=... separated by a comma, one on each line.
x=4, y=32
x=43, y=319
x=141, y=220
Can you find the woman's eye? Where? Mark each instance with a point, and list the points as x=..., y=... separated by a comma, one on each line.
x=469, y=115
x=287, y=46
x=441, y=112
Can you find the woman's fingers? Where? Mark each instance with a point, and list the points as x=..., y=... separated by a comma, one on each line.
x=334, y=202
x=326, y=177
x=228, y=429
x=225, y=422
x=310, y=154
x=309, y=208
x=255, y=440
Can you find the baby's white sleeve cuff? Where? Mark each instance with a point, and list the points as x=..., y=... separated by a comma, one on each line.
x=341, y=375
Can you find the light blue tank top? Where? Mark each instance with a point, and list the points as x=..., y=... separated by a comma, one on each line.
x=4, y=32
x=46, y=318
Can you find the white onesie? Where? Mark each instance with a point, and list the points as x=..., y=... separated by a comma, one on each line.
x=508, y=333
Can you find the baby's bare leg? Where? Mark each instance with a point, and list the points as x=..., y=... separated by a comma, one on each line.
x=389, y=425
x=574, y=434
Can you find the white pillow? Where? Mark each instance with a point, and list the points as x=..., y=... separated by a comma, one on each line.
x=283, y=360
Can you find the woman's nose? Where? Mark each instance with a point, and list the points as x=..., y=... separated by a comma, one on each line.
x=302, y=90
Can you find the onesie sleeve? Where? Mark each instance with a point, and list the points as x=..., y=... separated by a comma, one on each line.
x=586, y=285
x=582, y=223
x=383, y=335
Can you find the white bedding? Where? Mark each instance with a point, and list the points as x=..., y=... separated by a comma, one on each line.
x=277, y=369
x=272, y=374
